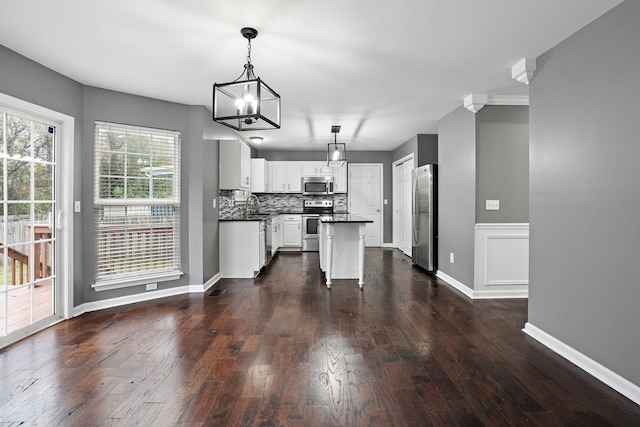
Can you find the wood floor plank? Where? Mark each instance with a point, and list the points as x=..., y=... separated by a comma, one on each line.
x=282, y=350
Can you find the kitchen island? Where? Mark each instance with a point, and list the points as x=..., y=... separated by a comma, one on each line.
x=342, y=247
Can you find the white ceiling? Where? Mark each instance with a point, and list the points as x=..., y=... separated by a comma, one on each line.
x=384, y=70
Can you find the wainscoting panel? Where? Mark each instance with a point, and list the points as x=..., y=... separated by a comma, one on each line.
x=502, y=260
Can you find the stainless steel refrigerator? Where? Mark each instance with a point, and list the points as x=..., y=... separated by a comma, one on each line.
x=424, y=217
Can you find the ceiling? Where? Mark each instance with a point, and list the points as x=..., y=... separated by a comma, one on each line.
x=383, y=70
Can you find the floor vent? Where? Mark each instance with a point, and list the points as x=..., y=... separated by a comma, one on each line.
x=216, y=292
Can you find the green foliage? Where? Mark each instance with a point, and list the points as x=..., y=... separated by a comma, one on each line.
x=129, y=169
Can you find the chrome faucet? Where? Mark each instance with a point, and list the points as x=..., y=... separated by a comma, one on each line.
x=246, y=204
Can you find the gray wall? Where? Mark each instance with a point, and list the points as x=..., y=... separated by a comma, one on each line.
x=427, y=149
x=408, y=147
x=502, y=163
x=383, y=157
x=27, y=80
x=456, y=194
x=585, y=192
x=202, y=175
x=424, y=148
x=117, y=107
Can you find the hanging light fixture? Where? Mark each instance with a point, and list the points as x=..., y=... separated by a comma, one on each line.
x=336, y=152
x=247, y=103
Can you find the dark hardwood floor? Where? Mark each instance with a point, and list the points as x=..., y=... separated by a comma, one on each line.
x=282, y=350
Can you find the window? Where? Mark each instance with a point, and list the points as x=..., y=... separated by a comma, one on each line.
x=136, y=205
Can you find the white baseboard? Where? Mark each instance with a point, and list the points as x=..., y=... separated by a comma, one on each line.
x=145, y=296
x=388, y=245
x=208, y=284
x=607, y=376
x=483, y=294
x=453, y=282
x=129, y=299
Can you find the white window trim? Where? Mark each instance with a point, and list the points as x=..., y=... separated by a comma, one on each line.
x=152, y=277
x=107, y=285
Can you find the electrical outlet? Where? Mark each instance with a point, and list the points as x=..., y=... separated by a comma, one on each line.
x=76, y=206
x=492, y=205
x=451, y=257
x=152, y=286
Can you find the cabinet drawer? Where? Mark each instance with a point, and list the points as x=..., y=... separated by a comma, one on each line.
x=291, y=217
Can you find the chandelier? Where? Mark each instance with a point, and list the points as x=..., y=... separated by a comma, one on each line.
x=336, y=152
x=247, y=103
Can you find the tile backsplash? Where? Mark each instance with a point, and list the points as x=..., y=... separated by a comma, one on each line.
x=275, y=203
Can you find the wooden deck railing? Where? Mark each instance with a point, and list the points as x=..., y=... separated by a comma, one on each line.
x=19, y=261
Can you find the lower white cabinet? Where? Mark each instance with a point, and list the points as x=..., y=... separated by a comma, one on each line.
x=276, y=234
x=241, y=248
x=292, y=230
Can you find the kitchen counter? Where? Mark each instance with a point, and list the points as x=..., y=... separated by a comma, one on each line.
x=257, y=217
x=342, y=247
x=344, y=218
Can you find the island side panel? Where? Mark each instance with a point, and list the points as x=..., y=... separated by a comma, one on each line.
x=239, y=248
x=345, y=251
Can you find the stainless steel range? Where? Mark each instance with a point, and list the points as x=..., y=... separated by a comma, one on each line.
x=312, y=210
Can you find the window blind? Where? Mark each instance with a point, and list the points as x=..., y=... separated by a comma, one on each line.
x=136, y=202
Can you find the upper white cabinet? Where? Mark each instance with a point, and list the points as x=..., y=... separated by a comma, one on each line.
x=235, y=165
x=340, y=179
x=294, y=175
x=277, y=179
x=285, y=177
x=316, y=169
x=259, y=176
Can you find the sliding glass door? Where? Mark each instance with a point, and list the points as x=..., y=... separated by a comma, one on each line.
x=29, y=295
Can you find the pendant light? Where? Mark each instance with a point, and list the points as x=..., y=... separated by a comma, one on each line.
x=247, y=103
x=336, y=152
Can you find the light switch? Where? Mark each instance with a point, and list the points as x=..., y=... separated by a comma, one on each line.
x=214, y=203
x=493, y=205
x=76, y=206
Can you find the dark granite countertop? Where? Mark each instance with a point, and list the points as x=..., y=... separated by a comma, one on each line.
x=261, y=216
x=344, y=218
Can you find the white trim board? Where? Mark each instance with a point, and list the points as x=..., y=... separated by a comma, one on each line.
x=501, y=260
x=145, y=296
x=604, y=374
x=482, y=294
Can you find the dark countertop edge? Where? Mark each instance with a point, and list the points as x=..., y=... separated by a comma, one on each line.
x=258, y=217
x=345, y=218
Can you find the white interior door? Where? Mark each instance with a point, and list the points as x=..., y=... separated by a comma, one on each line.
x=402, y=218
x=365, y=198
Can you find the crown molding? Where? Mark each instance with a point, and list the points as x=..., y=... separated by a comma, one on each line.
x=524, y=70
x=475, y=102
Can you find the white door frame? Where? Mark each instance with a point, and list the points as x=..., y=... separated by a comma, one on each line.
x=379, y=165
x=394, y=217
x=64, y=166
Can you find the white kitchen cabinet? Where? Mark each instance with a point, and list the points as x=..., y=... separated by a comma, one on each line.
x=241, y=248
x=277, y=177
x=315, y=168
x=259, y=176
x=235, y=165
x=285, y=177
x=293, y=177
x=340, y=179
x=292, y=230
x=276, y=234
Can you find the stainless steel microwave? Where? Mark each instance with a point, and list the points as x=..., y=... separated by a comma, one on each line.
x=317, y=185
